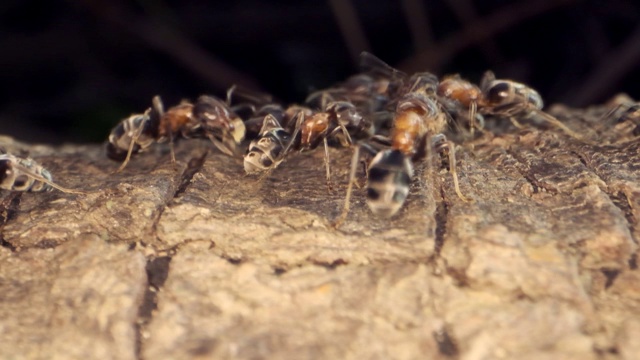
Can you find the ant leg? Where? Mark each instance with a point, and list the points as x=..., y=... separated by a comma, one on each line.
x=342, y=134
x=127, y=158
x=473, y=109
x=365, y=170
x=325, y=99
x=609, y=115
x=481, y=123
x=171, y=147
x=296, y=131
x=230, y=93
x=130, y=150
x=327, y=163
x=381, y=140
x=516, y=123
x=429, y=151
x=616, y=116
x=39, y=177
x=632, y=113
x=352, y=180
x=449, y=146
x=264, y=175
x=552, y=120
x=347, y=199
x=221, y=145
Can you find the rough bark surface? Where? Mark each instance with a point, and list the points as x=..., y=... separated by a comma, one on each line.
x=197, y=260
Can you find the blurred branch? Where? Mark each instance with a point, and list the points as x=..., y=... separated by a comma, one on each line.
x=478, y=31
x=267, y=22
x=465, y=12
x=171, y=42
x=617, y=63
x=32, y=48
x=597, y=41
x=350, y=27
x=418, y=20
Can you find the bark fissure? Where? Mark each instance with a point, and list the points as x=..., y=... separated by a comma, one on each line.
x=618, y=198
x=621, y=201
x=527, y=174
x=157, y=270
x=611, y=275
x=447, y=345
x=442, y=212
x=8, y=209
x=193, y=167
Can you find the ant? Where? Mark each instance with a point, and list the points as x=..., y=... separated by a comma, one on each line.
x=507, y=98
x=208, y=117
x=418, y=127
x=24, y=174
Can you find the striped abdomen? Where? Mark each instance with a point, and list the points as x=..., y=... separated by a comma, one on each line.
x=15, y=179
x=390, y=174
x=267, y=151
x=138, y=125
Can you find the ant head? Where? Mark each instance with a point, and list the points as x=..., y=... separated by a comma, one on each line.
x=499, y=92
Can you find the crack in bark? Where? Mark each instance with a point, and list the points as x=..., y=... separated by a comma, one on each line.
x=157, y=270
x=193, y=167
x=5, y=244
x=525, y=171
x=331, y=265
x=279, y=270
x=233, y=261
x=633, y=261
x=447, y=345
x=619, y=198
x=46, y=244
x=441, y=215
x=610, y=275
x=8, y=210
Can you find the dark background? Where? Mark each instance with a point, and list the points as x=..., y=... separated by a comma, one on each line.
x=72, y=69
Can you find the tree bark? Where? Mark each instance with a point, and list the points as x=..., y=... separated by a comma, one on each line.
x=198, y=260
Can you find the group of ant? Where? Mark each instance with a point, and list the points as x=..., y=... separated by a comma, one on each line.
x=395, y=118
